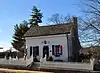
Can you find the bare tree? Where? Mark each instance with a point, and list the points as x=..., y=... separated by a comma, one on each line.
x=59, y=19
x=87, y=33
x=90, y=25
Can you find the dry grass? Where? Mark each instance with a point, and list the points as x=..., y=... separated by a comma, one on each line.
x=2, y=70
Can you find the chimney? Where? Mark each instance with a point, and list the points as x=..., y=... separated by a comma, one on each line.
x=75, y=25
x=75, y=21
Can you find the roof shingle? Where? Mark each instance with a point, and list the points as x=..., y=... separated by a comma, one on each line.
x=48, y=30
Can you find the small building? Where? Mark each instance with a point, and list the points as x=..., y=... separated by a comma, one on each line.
x=13, y=53
x=59, y=41
x=1, y=47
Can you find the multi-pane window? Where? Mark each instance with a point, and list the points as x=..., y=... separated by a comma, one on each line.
x=57, y=50
x=36, y=51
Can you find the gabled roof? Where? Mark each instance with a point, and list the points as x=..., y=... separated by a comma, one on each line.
x=48, y=30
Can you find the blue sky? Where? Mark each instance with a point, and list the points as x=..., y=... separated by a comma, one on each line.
x=15, y=11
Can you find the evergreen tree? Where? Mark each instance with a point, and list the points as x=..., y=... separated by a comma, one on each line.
x=35, y=17
x=20, y=29
x=18, y=38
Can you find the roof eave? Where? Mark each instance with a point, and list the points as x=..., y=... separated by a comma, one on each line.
x=48, y=34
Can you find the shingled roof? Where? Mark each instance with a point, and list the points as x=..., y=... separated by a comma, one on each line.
x=48, y=30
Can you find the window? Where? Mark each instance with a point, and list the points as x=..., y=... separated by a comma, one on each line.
x=36, y=51
x=30, y=50
x=56, y=50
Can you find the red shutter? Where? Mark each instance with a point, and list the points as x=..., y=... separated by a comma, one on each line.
x=60, y=49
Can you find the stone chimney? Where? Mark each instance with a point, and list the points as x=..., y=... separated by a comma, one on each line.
x=75, y=41
x=75, y=20
x=75, y=23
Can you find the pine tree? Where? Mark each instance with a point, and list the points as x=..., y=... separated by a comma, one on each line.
x=20, y=29
x=35, y=17
x=18, y=37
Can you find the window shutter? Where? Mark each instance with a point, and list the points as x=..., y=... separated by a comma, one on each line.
x=52, y=49
x=61, y=49
x=30, y=50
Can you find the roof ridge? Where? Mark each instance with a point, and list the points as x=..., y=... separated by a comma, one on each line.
x=54, y=24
